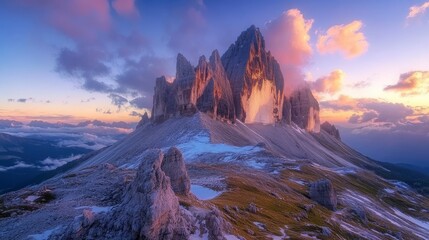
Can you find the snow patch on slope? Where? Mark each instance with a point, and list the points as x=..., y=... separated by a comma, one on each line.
x=193, y=146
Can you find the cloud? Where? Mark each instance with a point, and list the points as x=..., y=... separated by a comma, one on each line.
x=370, y=110
x=135, y=114
x=361, y=84
x=18, y=164
x=343, y=103
x=139, y=75
x=414, y=82
x=11, y=100
x=53, y=163
x=118, y=100
x=82, y=62
x=125, y=7
x=330, y=84
x=141, y=102
x=288, y=37
x=417, y=10
x=346, y=39
x=191, y=28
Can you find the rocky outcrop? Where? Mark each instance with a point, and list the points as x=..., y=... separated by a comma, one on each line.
x=302, y=109
x=145, y=120
x=255, y=77
x=149, y=210
x=204, y=88
x=174, y=167
x=323, y=192
x=331, y=130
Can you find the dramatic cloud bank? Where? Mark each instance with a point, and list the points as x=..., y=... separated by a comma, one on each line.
x=289, y=39
x=411, y=83
x=346, y=39
x=417, y=10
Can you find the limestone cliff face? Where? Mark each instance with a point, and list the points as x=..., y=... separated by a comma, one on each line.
x=255, y=77
x=204, y=88
x=246, y=83
x=302, y=109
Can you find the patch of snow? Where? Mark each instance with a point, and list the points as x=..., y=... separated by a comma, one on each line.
x=344, y=170
x=32, y=198
x=306, y=235
x=422, y=224
x=204, y=193
x=132, y=165
x=283, y=236
x=300, y=182
x=389, y=190
x=261, y=226
x=95, y=209
x=44, y=235
x=231, y=237
x=296, y=168
x=198, y=236
x=399, y=184
x=255, y=164
x=196, y=145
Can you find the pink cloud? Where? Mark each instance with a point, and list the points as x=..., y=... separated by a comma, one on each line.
x=411, y=83
x=331, y=83
x=125, y=7
x=287, y=37
x=346, y=39
x=417, y=10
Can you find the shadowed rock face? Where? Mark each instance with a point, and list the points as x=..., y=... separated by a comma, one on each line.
x=323, y=192
x=331, y=129
x=302, y=109
x=174, y=167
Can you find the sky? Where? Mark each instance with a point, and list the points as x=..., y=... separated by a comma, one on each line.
x=75, y=60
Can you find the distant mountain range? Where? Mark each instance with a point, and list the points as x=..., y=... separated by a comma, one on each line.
x=22, y=159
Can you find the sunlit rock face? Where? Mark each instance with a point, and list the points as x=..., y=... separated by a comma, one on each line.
x=204, y=88
x=255, y=77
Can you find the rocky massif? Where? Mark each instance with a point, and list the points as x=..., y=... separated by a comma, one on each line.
x=246, y=83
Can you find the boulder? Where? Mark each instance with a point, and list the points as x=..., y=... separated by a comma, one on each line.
x=174, y=167
x=323, y=192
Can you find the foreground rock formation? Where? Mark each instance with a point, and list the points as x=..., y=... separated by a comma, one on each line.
x=245, y=84
x=174, y=167
x=149, y=210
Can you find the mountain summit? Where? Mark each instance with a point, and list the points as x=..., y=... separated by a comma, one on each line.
x=245, y=84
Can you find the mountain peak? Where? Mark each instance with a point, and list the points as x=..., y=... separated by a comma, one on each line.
x=245, y=83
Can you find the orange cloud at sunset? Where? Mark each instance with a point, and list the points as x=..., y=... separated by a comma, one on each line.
x=411, y=83
x=346, y=39
x=330, y=84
